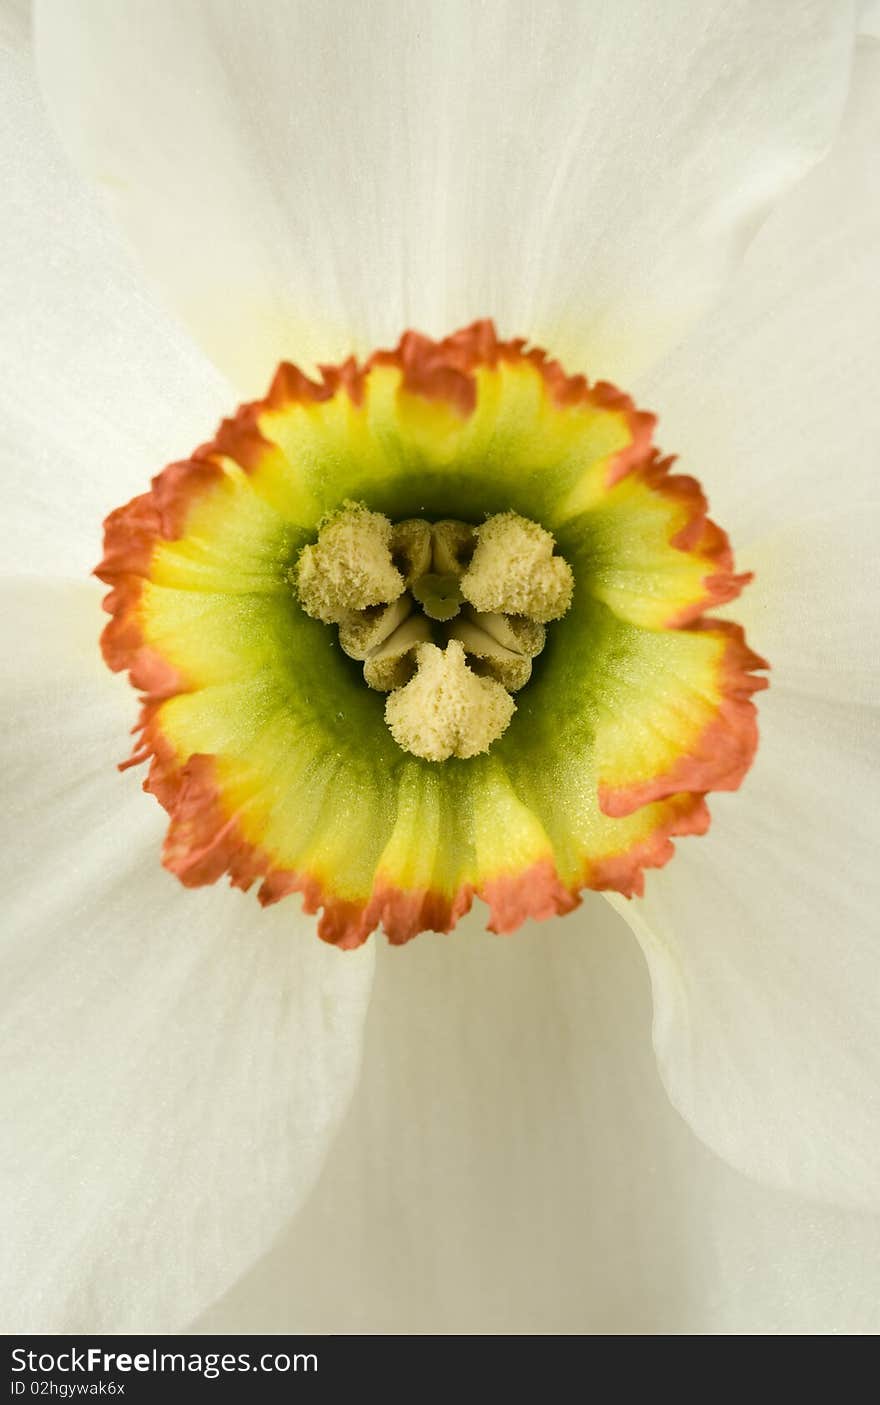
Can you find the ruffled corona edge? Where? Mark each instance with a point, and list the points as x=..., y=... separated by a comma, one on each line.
x=644, y=795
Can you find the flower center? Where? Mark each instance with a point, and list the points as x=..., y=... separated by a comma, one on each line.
x=445, y=616
x=276, y=761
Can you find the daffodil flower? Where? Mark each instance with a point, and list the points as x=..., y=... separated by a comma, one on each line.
x=430, y=622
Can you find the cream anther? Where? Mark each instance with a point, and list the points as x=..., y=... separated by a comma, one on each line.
x=446, y=710
x=349, y=567
x=514, y=571
x=364, y=630
x=488, y=657
x=393, y=663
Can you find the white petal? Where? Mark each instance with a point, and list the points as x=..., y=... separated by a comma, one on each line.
x=869, y=18
x=15, y=20
x=812, y=609
x=98, y=388
x=773, y=402
x=175, y=1063
x=763, y=938
x=763, y=946
x=510, y=1164
x=303, y=179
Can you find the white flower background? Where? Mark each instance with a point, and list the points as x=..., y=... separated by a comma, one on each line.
x=215, y=1122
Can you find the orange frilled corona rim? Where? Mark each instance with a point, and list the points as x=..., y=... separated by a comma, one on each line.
x=271, y=756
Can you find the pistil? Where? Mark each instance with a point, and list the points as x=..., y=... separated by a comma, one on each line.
x=439, y=596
